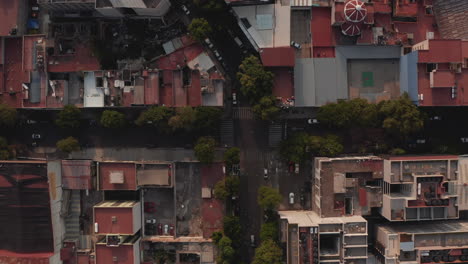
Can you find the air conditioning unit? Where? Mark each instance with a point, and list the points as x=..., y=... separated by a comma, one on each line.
x=116, y=177
x=429, y=35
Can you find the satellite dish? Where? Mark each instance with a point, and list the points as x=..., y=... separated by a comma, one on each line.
x=350, y=29
x=355, y=11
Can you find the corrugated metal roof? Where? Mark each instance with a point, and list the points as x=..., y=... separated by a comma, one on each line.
x=76, y=174
x=111, y=204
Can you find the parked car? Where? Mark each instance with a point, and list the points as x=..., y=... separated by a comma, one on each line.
x=464, y=139
x=30, y=122
x=209, y=43
x=238, y=42
x=36, y=136
x=291, y=198
x=234, y=98
x=296, y=168
x=312, y=121
x=265, y=173
x=252, y=240
x=295, y=45
x=216, y=53
x=186, y=10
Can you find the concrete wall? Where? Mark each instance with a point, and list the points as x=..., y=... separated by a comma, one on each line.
x=54, y=174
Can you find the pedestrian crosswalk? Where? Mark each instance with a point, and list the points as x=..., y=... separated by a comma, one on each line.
x=227, y=132
x=242, y=113
x=275, y=134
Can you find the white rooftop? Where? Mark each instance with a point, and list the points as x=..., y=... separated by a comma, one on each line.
x=310, y=218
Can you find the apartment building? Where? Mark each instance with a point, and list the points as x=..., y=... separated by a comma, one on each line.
x=420, y=188
x=429, y=242
x=314, y=239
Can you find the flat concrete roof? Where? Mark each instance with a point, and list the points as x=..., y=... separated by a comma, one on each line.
x=310, y=218
x=434, y=227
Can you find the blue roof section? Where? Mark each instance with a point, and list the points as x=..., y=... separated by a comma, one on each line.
x=409, y=75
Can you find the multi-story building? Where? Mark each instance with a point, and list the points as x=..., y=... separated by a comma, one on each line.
x=347, y=186
x=144, y=8
x=420, y=188
x=312, y=239
x=429, y=242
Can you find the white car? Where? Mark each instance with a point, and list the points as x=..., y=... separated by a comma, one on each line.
x=234, y=98
x=186, y=10
x=291, y=198
x=30, y=121
x=265, y=173
x=252, y=240
x=312, y=121
x=295, y=45
x=216, y=53
x=36, y=136
x=296, y=168
x=209, y=43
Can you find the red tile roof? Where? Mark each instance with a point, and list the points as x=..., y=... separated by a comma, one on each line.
x=277, y=57
x=9, y=13
x=128, y=170
x=8, y=257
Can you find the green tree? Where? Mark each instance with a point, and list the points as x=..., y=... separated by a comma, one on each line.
x=266, y=108
x=232, y=229
x=268, y=231
x=255, y=81
x=268, y=253
x=268, y=198
x=113, y=119
x=328, y=146
x=69, y=117
x=225, y=251
x=216, y=236
x=157, y=116
x=68, y=144
x=205, y=149
x=207, y=118
x=227, y=187
x=7, y=115
x=232, y=156
x=295, y=148
x=199, y=28
x=351, y=113
x=401, y=117
x=4, y=151
x=184, y=118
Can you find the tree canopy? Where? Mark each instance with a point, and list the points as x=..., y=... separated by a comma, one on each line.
x=68, y=144
x=328, y=146
x=232, y=229
x=256, y=82
x=225, y=251
x=211, y=5
x=205, y=149
x=113, y=119
x=268, y=253
x=227, y=187
x=232, y=156
x=199, y=29
x=184, y=118
x=207, y=118
x=345, y=114
x=268, y=198
x=4, y=151
x=157, y=116
x=7, y=115
x=69, y=117
x=266, y=108
x=294, y=148
x=268, y=231
x=401, y=117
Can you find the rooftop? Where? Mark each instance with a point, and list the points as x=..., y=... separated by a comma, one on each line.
x=116, y=204
x=9, y=12
x=310, y=218
x=278, y=57
x=451, y=18
x=434, y=227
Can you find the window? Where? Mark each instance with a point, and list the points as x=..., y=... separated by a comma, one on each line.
x=431, y=67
